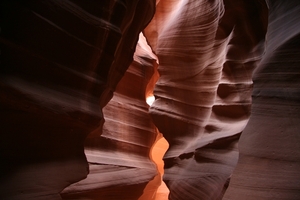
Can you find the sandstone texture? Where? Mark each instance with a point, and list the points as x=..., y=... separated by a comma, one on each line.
x=60, y=63
x=75, y=76
x=119, y=153
x=269, y=161
x=207, y=51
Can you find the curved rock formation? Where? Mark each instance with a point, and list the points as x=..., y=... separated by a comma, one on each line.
x=119, y=155
x=207, y=51
x=60, y=62
x=268, y=166
x=158, y=152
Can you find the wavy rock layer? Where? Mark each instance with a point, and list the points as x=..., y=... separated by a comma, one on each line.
x=60, y=62
x=207, y=51
x=118, y=155
x=269, y=165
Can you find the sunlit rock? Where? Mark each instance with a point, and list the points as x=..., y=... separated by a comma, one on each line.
x=150, y=100
x=207, y=51
x=119, y=154
x=229, y=137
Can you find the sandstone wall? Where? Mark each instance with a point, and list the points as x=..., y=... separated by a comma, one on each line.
x=207, y=51
x=60, y=63
x=268, y=166
x=119, y=152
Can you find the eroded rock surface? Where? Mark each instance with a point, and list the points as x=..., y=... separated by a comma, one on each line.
x=62, y=60
x=119, y=154
x=207, y=51
x=60, y=63
x=269, y=161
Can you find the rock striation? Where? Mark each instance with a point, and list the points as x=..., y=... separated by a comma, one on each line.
x=74, y=123
x=60, y=63
x=119, y=154
x=268, y=166
x=207, y=51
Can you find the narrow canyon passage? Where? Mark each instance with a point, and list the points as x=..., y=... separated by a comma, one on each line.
x=121, y=152
x=158, y=150
x=157, y=153
x=207, y=52
x=151, y=192
x=74, y=81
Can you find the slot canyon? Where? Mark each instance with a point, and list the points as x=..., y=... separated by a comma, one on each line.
x=150, y=100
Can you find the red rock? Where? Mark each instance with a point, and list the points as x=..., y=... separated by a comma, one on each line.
x=60, y=63
x=119, y=155
x=207, y=51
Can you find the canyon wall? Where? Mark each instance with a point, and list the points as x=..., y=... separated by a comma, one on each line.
x=229, y=137
x=269, y=161
x=207, y=51
x=119, y=153
x=60, y=63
